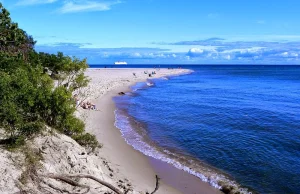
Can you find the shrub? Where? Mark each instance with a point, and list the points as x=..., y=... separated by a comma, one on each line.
x=73, y=125
x=87, y=140
x=31, y=128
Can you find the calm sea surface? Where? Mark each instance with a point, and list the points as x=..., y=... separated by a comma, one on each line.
x=228, y=125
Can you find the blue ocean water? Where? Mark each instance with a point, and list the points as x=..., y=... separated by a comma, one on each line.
x=236, y=125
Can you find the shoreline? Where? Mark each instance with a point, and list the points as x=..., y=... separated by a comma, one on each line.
x=139, y=168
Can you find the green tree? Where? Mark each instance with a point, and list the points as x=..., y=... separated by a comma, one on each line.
x=65, y=70
x=20, y=100
x=13, y=40
x=36, y=88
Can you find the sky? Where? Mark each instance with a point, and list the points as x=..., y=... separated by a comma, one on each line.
x=164, y=31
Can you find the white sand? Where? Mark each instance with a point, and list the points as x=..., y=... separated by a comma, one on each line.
x=105, y=80
x=60, y=155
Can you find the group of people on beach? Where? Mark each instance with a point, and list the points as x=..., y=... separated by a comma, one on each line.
x=146, y=72
x=88, y=105
x=85, y=105
x=150, y=74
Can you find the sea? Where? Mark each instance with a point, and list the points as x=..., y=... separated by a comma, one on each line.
x=229, y=125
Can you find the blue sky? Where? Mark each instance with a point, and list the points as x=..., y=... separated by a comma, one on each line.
x=164, y=31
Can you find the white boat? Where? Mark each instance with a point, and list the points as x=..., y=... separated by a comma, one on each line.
x=120, y=63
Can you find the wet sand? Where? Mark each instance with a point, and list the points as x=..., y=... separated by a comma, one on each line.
x=181, y=180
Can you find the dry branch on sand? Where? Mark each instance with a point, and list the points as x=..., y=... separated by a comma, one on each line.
x=68, y=179
x=156, y=184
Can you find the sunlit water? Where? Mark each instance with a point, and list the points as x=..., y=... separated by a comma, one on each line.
x=236, y=125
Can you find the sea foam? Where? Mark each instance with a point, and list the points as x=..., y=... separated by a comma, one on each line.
x=137, y=141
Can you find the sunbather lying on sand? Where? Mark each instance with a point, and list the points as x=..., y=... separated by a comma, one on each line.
x=91, y=106
x=84, y=105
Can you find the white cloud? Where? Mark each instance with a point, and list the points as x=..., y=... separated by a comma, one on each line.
x=202, y=52
x=196, y=50
x=160, y=55
x=294, y=54
x=86, y=6
x=289, y=54
x=244, y=50
x=136, y=55
x=228, y=57
x=285, y=54
x=72, y=6
x=34, y=2
x=236, y=52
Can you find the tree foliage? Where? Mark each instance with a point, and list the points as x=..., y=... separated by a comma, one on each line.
x=87, y=140
x=65, y=70
x=14, y=41
x=36, y=88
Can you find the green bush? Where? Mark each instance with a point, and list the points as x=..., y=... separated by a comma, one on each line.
x=29, y=129
x=13, y=143
x=73, y=125
x=87, y=140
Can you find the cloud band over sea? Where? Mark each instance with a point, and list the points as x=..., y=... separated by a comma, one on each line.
x=209, y=51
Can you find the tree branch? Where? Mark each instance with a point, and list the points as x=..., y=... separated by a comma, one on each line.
x=66, y=178
x=116, y=190
x=156, y=185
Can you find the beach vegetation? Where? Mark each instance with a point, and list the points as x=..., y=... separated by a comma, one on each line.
x=36, y=88
x=14, y=41
x=32, y=158
x=87, y=140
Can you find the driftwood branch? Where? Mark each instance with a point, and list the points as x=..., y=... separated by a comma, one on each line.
x=66, y=178
x=156, y=185
x=56, y=188
x=115, y=189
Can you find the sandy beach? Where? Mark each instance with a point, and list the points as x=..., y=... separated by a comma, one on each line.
x=138, y=168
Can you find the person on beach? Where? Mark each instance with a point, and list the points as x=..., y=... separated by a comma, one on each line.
x=91, y=106
x=88, y=105
x=76, y=99
x=84, y=105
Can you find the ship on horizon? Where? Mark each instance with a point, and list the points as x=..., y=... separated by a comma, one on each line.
x=120, y=63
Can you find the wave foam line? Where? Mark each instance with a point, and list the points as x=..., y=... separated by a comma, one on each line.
x=136, y=141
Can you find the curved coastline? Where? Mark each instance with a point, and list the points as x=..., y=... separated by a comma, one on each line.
x=141, y=143
x=128, y=162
